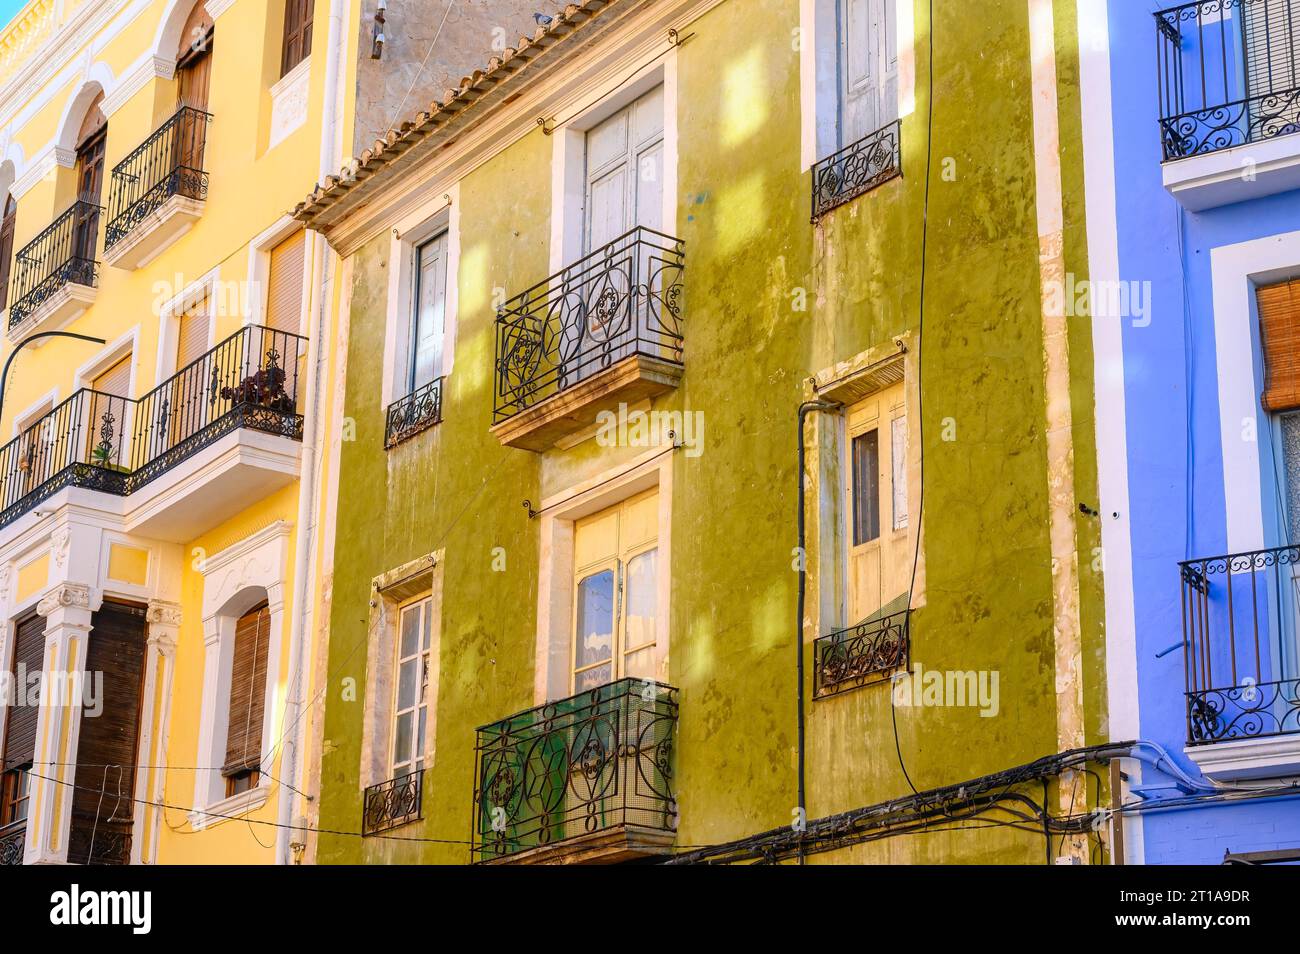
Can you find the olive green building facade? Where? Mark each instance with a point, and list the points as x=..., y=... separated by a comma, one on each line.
x=569, y=590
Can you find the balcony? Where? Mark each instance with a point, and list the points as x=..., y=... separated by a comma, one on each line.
x=158, y=191
x=583, y=780
x=392, y=804
x=1229, y=95
x=55, y=274
x=861, y=655
x=13, y=838
x=187, y=455
x=418, y=411
x=604, y=331
x=1242, y=681
x=857, y=168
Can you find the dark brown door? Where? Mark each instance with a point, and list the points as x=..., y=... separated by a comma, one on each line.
x=20, y=728
x=103, y=806
x=90, y=185
x=7, y=247
x=193, y=73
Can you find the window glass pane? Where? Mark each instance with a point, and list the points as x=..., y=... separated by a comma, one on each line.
x=595, y=620
x=898, y=462
x=593, y=678
x=402, y=740
x=866, y=487
x=640, y=664
x=406, y=684
x=428, y=622
x=410, y=631
x=642, y=590
x=419, y=738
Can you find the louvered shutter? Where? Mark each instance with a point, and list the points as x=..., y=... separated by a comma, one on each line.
x=7, y=247
x=247, y=692
x=297, y=34
x=116, y=380
x=284, y=284
x=20, y=728
x=1279, y=326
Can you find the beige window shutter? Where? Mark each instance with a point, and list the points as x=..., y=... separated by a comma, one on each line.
x=116, y=380
x=192, y=336
x=284, y=285
x=1279, y=327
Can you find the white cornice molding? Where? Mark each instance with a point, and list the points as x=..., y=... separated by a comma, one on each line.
x=62, y=50
x=217, y=7
x=40, y=166
x=241, y=549
x=137, y=76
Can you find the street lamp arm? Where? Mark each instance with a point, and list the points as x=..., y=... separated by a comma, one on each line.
x=4, y=375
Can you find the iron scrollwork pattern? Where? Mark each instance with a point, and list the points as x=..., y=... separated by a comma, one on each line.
x=408, y=416
x=860, y=655
x=594, y=761
x=168, y=163
x=622, y=300
x=12, y=843
x=1236, y=609
x=393, y=803
x=63, y=254
x=117, y=445
x=857, y=168
x=1225, y=74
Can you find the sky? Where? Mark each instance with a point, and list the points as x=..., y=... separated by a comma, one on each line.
x=8, y=8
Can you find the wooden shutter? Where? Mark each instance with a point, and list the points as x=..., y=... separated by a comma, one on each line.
x=20, y=729
x=116, y=380
x=247, y=692
x=1279, y=327
x=103, y=806
x=284, y=284
x=297, y=34
x=7, y=247
x=192, y=335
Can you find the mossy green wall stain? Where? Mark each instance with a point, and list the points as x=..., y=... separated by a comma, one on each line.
x=743, y=215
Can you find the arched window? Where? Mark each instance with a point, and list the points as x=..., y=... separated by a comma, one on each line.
x=242, y=767
x=90, y=177
x=7, y=247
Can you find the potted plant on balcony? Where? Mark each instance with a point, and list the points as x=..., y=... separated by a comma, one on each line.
x=263, y=388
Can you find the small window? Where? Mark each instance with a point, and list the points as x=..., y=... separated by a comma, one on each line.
x=297, y=34
x=868, y=67
x=866, y=487
x=247, y=701
x=284, y=284
x=411, y=695
x=15, y=793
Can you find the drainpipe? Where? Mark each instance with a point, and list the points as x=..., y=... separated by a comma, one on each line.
x=295, y=729
x=808, y=407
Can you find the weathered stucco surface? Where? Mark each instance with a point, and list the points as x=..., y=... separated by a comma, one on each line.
x=743, y=214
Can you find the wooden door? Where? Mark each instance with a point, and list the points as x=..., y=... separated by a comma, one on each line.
x=103, y=806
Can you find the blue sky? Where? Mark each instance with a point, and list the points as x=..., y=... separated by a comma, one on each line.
x=8, y=8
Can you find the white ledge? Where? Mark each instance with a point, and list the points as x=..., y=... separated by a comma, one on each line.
x=1276, y=756
x=1238, y=174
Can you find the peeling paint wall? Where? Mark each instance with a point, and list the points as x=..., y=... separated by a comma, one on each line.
x=986, y=601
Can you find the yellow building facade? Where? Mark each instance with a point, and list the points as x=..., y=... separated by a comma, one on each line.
x=157, y=478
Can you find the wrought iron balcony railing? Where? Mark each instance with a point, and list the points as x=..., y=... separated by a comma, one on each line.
x=857, y=168
x=1228, y=74
x=407, y=416
x=12, y=842
x=860, y=655
x=63, y=254
x=117, y=445
x=621, y=300
x=392, y=804
x=1239, y=645
x=168, y=163
x=589, y=763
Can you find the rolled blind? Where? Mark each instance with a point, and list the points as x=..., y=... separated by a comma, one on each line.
x=116, y=380
x=247, y=692
x=20, y=731
x=1279, y=328
x=192, y=336
x=284, y=284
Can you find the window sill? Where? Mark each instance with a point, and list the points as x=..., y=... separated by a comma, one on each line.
x=1218, y=178
x=1277, y=756
x=233, y=806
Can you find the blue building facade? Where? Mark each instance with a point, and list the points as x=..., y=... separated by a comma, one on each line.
x=1191, y=127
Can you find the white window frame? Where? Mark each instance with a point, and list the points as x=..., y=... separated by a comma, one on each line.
x=417, y=761
x=421, y=226
x=819, y=81
x=169, y=321
x=569, y=155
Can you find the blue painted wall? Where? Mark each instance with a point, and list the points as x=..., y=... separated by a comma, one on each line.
x=1174, y=444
